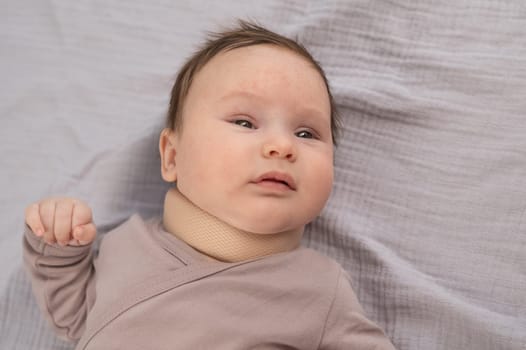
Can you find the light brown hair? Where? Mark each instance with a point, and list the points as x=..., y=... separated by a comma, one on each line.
x=246, y=34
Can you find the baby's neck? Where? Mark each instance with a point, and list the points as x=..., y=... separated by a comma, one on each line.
x=217, y=239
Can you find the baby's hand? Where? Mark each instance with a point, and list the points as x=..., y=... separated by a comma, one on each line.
x=62, y=220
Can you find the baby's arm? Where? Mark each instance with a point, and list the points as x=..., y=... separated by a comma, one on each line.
x=347, y=327
x=59, y=260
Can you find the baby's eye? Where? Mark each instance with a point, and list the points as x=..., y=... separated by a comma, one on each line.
x=244, y=123
x=305, y=134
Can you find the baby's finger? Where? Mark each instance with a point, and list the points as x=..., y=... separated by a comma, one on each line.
x=33, y=219
x=81, y=215
x=62, y=223
x=85, y=234
x=47, y=216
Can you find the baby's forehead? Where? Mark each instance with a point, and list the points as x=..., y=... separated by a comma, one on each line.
x=239, y=54
x=261, y=61
x=259, y=69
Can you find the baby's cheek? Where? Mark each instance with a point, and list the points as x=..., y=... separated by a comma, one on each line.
x=322, y=184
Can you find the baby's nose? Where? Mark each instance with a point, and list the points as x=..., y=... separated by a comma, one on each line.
x=281, y=147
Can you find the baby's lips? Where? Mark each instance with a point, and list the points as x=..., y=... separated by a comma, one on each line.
x=279, y=177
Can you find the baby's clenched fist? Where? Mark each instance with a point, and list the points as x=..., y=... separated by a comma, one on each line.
x=66, y=221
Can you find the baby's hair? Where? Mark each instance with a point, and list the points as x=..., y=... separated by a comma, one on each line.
x=245, y=34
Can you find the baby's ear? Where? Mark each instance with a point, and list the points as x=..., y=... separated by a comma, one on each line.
x=167, y=151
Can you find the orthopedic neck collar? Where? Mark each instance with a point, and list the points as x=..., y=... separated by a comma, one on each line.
x=217, y=239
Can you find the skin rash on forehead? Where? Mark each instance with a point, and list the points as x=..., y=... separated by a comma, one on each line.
x=262, y=75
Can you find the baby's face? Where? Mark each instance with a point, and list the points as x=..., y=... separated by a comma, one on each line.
x=255, y=149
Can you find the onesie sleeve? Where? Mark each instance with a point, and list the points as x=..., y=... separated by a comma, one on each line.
x=347, y=327
x=63, y=283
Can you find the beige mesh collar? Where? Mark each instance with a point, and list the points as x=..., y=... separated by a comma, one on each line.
x=215, y=238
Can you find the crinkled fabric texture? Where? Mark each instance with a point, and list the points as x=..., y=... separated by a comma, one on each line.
x=428, y=212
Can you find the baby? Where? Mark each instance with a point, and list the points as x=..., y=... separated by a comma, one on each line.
x=249, y=144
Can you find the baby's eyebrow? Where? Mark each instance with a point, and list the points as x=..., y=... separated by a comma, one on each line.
x=241, y=94
x=315, y=119
x=309, y=113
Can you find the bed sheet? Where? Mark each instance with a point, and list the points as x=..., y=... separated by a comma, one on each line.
x=428, y=211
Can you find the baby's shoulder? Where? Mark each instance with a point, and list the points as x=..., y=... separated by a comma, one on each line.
x=314, y=261
x=134, y=226
x=307, y=267
x=130, y=238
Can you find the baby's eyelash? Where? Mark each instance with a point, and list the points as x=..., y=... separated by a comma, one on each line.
x=244, y=123
x=304, y=134
x=307, y=134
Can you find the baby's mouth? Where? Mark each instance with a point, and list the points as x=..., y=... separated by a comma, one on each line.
x=277, y=178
